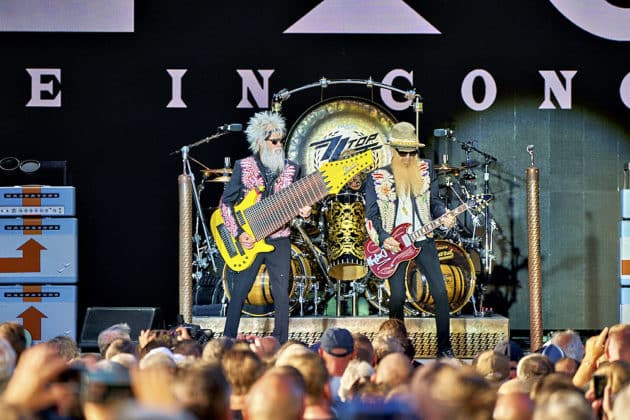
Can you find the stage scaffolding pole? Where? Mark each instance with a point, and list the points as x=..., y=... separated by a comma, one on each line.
x=534, y=259
x=184, y=182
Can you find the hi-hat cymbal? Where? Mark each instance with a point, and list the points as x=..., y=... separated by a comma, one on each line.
x=211, y=172
x=223, y=179
x=446, y=168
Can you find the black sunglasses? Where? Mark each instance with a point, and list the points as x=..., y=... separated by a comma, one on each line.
x=403, y=154
x=275, y=141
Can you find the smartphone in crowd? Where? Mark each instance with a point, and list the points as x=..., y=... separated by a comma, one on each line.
x=599, y=383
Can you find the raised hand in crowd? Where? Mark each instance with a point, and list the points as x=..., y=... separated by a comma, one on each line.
x=594, y=349
x=30, y=388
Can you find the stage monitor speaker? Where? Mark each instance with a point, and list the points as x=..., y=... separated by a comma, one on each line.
x=99, y=318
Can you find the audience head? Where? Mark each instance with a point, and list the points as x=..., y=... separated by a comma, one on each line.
x=493, y=366
x=396, y=328
x=393, y=370
x=242, y=368
x=549, y=384
x=66, y=347
x=188, y=347
x=288, y=351
x=562, y=405
x=215, y=348
x=357, y=373
x=315, y=375
x=461, y=393
x=128, y=360
x=104, y=389
x=7, y=362
x=513, y=406
x=105, y=337
x=618, y=343
x=337, y=349
x=384, y=345
x=363, y=348
x=621, y=406
x=158, y=358
x=532, y=367
x=277, y=395
x=120, y=345
x=203, y=389
x=570, y=343
x=16, y=335
x=567, y=366
x=512, y=350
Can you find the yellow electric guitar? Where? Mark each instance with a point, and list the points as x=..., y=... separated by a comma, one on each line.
x=260, y=219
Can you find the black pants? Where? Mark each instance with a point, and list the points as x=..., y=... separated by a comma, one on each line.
x=429, y=264
x=278, y=266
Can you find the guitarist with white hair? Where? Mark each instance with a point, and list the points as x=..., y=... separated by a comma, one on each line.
x=267, y=169
x=407, y=192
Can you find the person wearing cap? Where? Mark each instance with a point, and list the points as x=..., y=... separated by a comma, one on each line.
x=266, y=170
x=336, y=347
x=406, y=191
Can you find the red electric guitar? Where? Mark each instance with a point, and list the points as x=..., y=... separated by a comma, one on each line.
x=384, y=263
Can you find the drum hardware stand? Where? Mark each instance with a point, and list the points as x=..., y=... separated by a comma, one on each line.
x=320, y=261
x=323, y=83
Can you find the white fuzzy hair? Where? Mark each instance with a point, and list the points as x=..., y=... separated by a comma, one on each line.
x=259, y=126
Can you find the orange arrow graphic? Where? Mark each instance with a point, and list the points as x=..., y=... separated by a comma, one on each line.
x=30, y=261
x=33, y=321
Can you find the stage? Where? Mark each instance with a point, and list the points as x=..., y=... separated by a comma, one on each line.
x=469, y=335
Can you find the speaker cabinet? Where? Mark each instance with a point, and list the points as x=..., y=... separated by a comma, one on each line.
x=99, y=318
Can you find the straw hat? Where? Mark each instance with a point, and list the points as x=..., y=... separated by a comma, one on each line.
x=403, y=137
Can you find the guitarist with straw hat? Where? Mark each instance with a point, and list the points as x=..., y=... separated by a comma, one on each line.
x=407, y=192
x=268, y=169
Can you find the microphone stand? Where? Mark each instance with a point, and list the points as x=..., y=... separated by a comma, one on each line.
x=488, y=224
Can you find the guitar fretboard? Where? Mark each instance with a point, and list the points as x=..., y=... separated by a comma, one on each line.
x=434, y=224
x=270, y=214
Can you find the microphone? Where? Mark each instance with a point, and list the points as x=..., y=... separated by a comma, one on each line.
x=443, y=132
x=230, y=127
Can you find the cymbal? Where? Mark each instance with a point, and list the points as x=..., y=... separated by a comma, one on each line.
x=446, y=168
x=223, y=179
x=210, y=172
x=470, y=164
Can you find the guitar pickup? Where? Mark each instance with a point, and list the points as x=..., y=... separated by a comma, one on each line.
x=226, y=238
x=240, y=218
x=406, y=241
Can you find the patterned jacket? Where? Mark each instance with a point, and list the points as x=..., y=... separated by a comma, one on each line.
x=250, y=173
x=382, y=200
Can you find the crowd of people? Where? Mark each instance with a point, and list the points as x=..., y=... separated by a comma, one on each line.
x=344, y=375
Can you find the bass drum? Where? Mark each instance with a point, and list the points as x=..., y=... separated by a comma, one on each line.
x=377, y=294
x=259, y=301
x=459, y=276
x=339, y=127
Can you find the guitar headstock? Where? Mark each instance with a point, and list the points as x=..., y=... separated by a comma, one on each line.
x=337, y=174
x=479, y=201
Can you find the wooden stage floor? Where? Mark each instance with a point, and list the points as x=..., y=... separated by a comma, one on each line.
x=469, y=335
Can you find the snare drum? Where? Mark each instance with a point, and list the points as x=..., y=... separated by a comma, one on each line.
x=259, y=301
x=345, y=236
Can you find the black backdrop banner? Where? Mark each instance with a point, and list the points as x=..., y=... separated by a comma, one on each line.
x=115, y=103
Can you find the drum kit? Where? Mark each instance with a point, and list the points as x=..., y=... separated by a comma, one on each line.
x=329, y=273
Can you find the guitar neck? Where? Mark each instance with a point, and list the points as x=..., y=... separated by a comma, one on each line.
x=272, y=213
x=434, y=224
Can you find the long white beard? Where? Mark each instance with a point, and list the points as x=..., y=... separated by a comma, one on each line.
x=272, y=159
